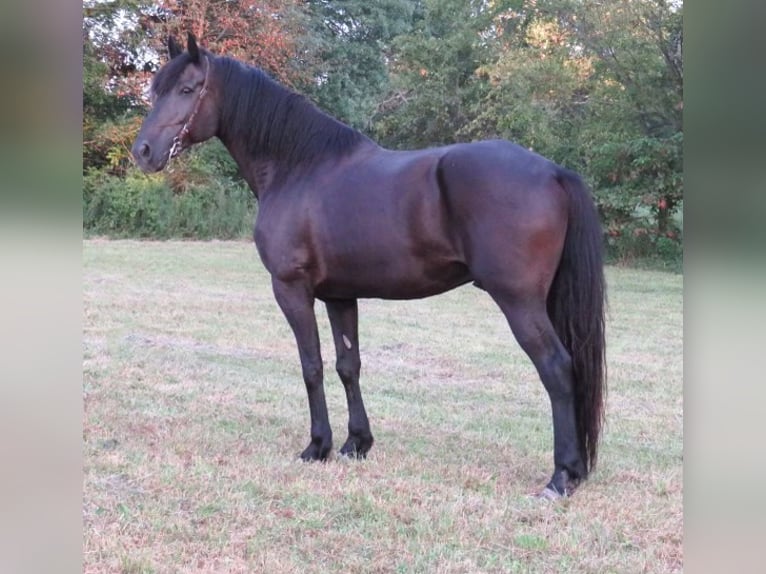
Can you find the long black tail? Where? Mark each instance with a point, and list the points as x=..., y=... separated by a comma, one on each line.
x=576, y=305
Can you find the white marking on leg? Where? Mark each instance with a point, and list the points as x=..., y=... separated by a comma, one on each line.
x=346, y=342
x=549, y=493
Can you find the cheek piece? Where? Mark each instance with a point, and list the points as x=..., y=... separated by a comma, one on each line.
x=178, y=140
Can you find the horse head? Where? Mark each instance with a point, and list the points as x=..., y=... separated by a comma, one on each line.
x=183, y=107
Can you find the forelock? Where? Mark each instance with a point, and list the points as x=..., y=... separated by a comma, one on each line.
x=169, y=74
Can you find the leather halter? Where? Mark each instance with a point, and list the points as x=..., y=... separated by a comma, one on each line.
x=178, y=144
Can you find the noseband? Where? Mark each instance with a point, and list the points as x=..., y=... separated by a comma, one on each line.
x=178, y=141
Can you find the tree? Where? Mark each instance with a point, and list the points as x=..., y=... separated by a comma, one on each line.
x=538, y=84
x=125, y=42
x=112, y=83
x=352, y=44
x=434, y=79
x=267, y=33
x=634, y=133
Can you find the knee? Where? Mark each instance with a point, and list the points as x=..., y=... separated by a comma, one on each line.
x=312, y=373
x=348, y=368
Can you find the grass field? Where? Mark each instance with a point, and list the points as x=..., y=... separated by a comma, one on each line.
x=195, y=413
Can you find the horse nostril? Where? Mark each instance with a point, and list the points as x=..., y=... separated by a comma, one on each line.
x=144, y=150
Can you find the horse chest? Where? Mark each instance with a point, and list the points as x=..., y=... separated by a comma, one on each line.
x=283, y=253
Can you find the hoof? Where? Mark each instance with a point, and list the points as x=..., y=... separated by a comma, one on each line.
x=560, y=486
x=357, y=447
x=316, y=451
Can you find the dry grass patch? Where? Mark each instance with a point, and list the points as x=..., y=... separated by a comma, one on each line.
x=195, y=413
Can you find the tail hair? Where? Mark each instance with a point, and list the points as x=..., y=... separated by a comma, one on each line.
x=576, y=306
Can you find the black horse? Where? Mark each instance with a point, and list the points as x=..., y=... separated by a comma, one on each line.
x=341, y=218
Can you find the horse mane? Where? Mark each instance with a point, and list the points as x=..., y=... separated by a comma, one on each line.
x=272, y=120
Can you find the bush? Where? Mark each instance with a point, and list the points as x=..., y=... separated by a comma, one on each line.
x=145, y=206
x=638, y=245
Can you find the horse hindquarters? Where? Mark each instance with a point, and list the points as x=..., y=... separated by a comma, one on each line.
x=575, y=305
x=532, y=241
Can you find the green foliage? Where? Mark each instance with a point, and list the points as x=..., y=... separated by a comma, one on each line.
x=536, y=92
x=351, y=42
x=635, y=244
x=434, y=80
x=641, y=173
x=104, y=113
x=96, y=101
x=138, y=205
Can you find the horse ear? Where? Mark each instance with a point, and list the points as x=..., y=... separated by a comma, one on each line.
x=174, y=50
x=191, y=46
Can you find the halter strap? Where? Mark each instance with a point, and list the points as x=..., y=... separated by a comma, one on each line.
x=178, y=143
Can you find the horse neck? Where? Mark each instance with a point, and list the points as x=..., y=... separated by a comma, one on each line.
x=272, y=132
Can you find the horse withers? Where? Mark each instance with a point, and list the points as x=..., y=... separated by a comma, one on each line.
x=341, y=218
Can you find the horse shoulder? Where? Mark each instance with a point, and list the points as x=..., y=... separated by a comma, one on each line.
x=282, y=239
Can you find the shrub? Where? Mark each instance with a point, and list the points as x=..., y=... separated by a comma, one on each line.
x=145, y=206
x=640, y=245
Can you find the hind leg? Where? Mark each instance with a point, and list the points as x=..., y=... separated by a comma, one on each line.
x=532, y=328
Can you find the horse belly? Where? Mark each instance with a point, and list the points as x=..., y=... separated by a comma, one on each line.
x=384, y=280
x=387, y=234
x=392, y=269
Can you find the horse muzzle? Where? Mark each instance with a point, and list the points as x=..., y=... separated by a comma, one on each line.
x=148, y=157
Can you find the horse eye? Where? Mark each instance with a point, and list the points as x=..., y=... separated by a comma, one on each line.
x=186, y=90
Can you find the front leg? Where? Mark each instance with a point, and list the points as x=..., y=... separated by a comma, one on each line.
x=297, y=303
x=345, y=332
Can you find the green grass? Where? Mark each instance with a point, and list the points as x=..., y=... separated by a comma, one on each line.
x=195, y=412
